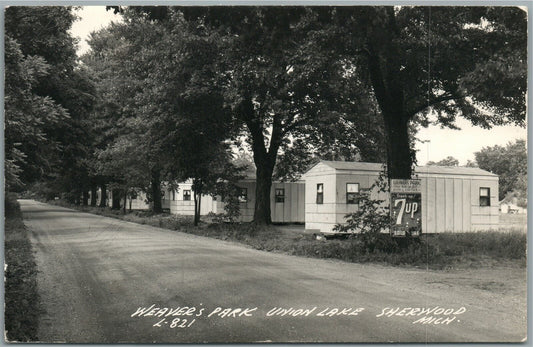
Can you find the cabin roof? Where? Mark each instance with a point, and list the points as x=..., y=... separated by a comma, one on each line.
x=443, y=170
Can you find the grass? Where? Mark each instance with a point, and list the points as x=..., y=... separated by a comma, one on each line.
x=440, y=251
x=513, y=221
x=21, y=296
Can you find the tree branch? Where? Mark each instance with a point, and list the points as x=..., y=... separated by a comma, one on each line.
x=434, y=101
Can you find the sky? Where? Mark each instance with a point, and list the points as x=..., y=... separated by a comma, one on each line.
x=92, y=18
x=460, y=144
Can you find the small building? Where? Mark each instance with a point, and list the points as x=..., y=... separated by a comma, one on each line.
x=511, y=207
x=181, y=200
x=454, y=199
x=287, y=201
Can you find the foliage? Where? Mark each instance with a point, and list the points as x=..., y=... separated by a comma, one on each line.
x=27, y=146
x=46, y=113
x=177, y=85
x=128, y=156
x=510, y=164
x=418, y=63
x=448, y=161
x=282, y=85
x=22, y=302
x=371, y=219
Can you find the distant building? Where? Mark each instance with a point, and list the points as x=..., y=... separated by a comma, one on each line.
x=287, y=201
x=511, y=207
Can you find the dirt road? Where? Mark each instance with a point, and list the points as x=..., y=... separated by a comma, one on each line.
x=103, y=280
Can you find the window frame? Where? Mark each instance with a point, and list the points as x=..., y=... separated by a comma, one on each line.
x=243, y=195
x=320, y=193
x=279, y=198
x=356, y=195
x=187, y=195
x=484, y=200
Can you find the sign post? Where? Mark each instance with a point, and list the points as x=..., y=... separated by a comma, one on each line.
x=406, y=207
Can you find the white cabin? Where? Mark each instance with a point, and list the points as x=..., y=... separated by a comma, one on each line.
x=454, y=199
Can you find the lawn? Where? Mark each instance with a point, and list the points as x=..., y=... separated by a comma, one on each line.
x=442, y=251
x=513, y=221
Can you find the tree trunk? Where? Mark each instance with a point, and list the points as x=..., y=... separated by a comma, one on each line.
x=264, y=159
x=115, y=199
x=103, y=195
x=125, y=201
x=384, y=70
x=156, y=191
x=197, y=205
x=85, y=197
x=262, y=213
x=94, y=192
x=399, y=155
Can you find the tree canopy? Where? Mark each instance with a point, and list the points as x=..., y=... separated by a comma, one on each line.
x=448, y=161
x=510, y=164
x=432, y=64
x=179, y=88
x=47, y=99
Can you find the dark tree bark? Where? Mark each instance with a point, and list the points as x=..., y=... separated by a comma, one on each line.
x=156, y=191
x=262, y=214
x=103, y=195
x=384, y=66
x=85, y=197
x=115, y=199
x=125, y=202
x=264, y=160
x=94, y=192
x=399, y=154
x=197, y=204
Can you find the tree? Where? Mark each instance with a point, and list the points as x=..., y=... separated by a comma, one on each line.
x=121, y=78
x=281, y=82
x=471, y=163
x=170, y=107
x=510, y=164
x=189, y=116
x=54, y=97
x=443, y=61
x=27, y=146
x=448, y=161
x=103, y=61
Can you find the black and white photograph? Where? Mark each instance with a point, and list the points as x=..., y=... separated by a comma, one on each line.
x=189, y=173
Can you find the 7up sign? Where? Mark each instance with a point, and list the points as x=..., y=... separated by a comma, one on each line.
x=406, y=207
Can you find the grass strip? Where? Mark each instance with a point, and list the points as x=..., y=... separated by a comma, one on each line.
x=21, y=296
x=482, y=249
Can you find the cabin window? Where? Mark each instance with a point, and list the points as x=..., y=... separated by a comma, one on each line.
x=280, y=194
x=352, y=193
x=243, y=196
x=320, y=193
x=484, y=196
x=187, y=195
